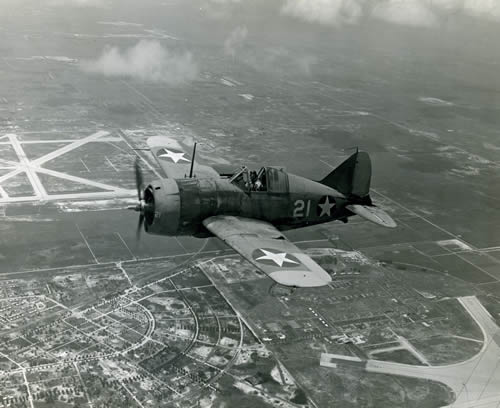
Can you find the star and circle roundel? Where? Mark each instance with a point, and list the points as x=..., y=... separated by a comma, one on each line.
x=275, y=257
x=173, y=155
x=326, y=206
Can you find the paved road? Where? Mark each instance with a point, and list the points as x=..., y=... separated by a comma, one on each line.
x=476, y=381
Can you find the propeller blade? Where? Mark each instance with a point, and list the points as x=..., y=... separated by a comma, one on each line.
x=138, y=178
x=139, y=227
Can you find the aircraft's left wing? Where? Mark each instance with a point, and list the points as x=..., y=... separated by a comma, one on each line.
x=268, y=250
x=175, y=159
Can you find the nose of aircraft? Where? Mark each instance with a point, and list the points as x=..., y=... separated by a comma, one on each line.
x=145, y=206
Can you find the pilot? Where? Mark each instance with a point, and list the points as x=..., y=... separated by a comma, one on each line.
x=253, y=179
x=258, y=185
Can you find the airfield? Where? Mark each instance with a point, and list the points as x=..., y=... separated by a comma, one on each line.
x=91, y=317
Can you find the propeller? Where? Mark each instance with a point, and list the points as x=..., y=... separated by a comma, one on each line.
x=140, y=206
x=138, y=178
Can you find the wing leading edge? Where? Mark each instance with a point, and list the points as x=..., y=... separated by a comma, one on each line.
x=268, y=250
x=175, y=159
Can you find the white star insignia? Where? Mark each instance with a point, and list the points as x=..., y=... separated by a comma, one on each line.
x=175, y=157
x=326, y=207
x=279, y=259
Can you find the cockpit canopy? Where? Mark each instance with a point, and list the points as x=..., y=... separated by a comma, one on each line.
x=267, y=179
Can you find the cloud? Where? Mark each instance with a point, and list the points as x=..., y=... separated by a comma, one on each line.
x=418, y=13
x=147, y=61
x=220, y=9
x=79, y=3
x=305, y=63
x=410, y=13
x=267, y=59
x=333, y=12
x=482, y=8
x=235, y=40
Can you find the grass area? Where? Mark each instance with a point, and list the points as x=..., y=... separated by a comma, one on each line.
x=442, y=350
x=397, y=356
x=459, y=268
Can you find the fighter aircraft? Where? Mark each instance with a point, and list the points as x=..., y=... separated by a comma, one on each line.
x=249, y=209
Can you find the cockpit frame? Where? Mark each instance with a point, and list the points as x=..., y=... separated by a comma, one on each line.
x=267, y=179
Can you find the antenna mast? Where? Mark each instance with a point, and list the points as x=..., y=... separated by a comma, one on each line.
x=192, y=160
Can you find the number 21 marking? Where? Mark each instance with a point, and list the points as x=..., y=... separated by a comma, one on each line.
x=299, y=205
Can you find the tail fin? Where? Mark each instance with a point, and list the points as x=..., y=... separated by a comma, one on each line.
x=352, y=177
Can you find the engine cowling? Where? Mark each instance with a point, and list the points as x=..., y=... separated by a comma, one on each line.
x=162, y=207
x=178, y=207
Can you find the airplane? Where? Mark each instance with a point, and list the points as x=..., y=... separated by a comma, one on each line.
x=248, y=210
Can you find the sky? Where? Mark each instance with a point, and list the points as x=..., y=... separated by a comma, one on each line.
x=419, y=13
x=295, y=32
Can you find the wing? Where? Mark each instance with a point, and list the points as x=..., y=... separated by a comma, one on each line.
x=175, y=159
x=268, y=250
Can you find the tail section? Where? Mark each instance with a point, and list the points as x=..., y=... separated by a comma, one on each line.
x=352, y=177
x=373, y=214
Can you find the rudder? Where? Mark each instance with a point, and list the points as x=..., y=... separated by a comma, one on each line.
x=352, y=177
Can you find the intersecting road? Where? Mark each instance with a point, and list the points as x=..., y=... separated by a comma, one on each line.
x=33, y=167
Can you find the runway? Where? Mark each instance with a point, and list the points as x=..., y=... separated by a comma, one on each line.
x=476, y=381
x=32, y=168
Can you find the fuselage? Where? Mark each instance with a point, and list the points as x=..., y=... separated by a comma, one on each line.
x=289, y=201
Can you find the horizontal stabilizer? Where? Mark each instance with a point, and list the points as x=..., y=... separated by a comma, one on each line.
x=373, y=214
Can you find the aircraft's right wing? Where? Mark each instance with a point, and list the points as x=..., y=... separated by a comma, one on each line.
x=268, y=250
x=175, y=159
